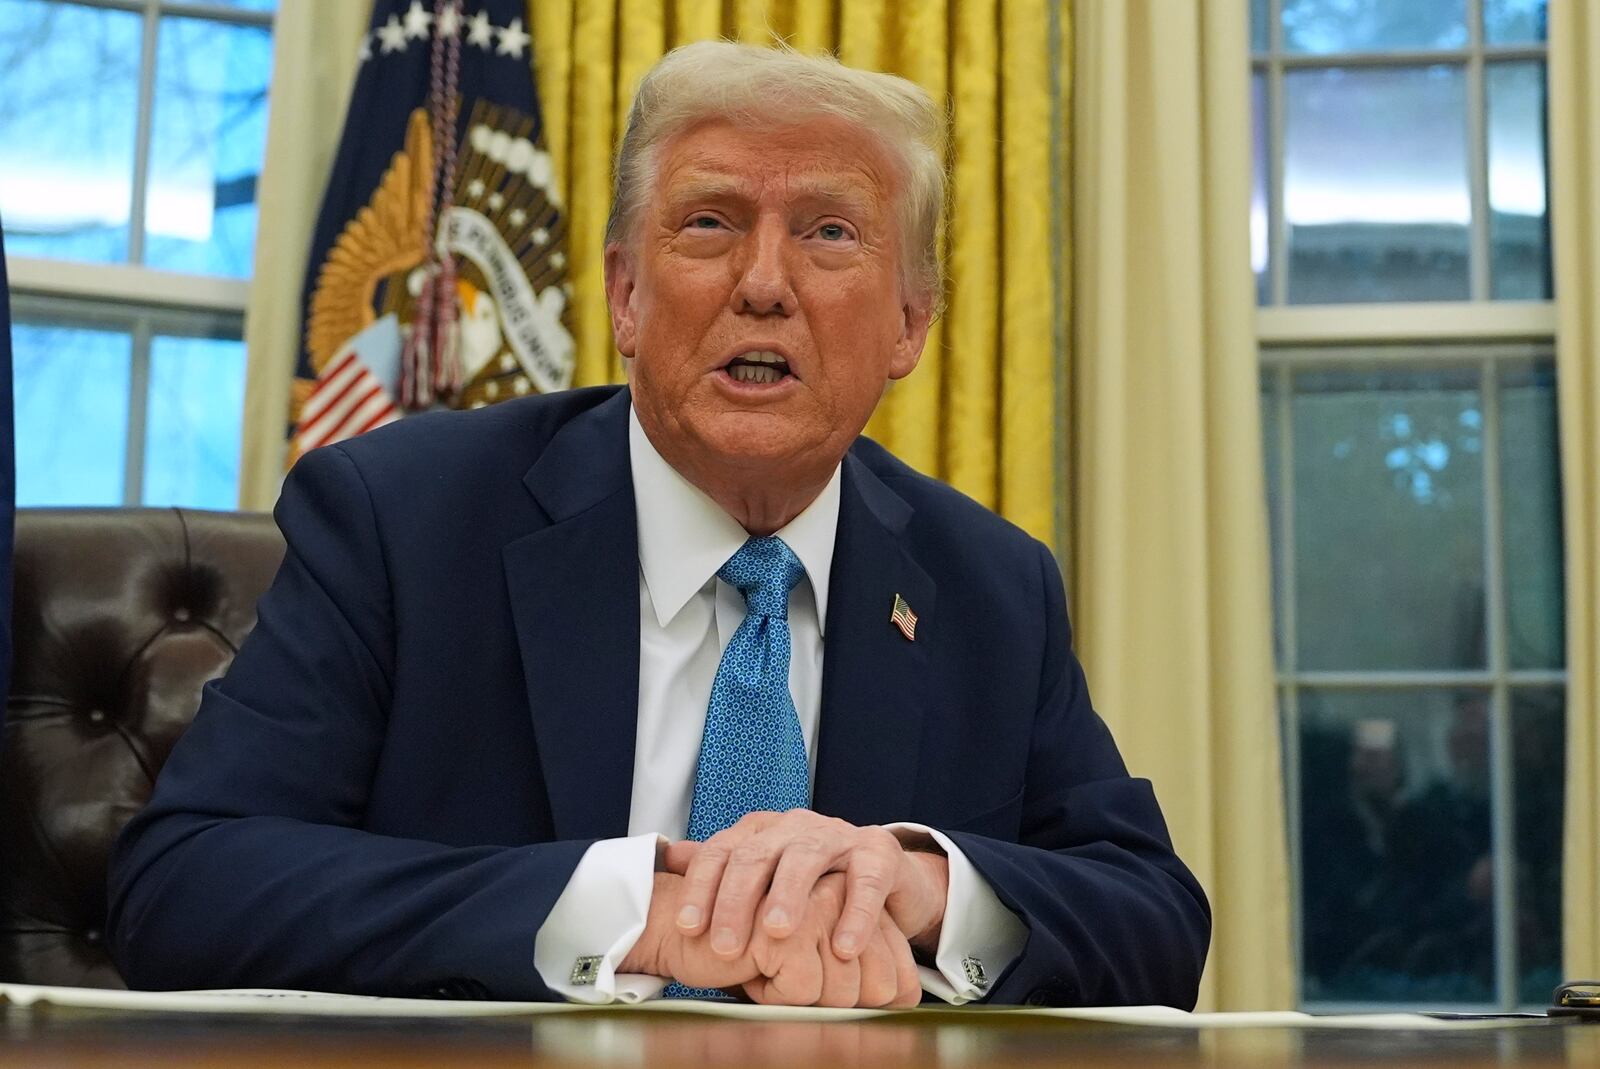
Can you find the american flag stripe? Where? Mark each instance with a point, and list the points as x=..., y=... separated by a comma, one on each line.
x=337, y=415
x=382, y=414
x=343, y=370
x=348, y=400
x=331, y=386
x=903, y=618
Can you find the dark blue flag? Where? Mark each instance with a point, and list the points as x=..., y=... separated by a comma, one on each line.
x=8, y=488
x=437, y=272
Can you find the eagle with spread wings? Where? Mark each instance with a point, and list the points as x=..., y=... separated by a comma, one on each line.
x=378, y=267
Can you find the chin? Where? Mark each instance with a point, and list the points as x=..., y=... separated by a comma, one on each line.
x=761, y=440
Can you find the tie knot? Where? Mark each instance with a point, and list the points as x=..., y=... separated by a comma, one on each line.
x=764, y=571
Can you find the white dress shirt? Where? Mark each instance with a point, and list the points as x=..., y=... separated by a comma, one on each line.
x=687, y=616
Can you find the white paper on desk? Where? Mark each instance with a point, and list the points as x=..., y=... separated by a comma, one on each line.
x=320, y=1004
x=1169, y=1017
x=259, y=1001
x=266, y=1001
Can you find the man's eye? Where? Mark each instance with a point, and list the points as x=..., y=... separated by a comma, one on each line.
x=832, y=232
x=705, y=222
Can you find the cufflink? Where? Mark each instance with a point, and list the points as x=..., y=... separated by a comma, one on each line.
x=975, y=974
x=586, y=970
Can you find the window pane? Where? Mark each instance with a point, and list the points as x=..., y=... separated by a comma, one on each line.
x=1324, y=26
x=1519, y=227
x=210, y=128
x=251, y=5
x=69, y=90
x=1260, y=250
x=192, y=431
x=1375, y=172
x=1395, y=838
x=1260, y=37
x=1509, y=22
x=71, y=413
x=1388, y=520
x=1530, y=492
x=1538, y=738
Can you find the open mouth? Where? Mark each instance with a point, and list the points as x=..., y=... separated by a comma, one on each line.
x=758, y=368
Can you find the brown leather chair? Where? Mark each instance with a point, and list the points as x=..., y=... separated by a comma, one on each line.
x=120, y=616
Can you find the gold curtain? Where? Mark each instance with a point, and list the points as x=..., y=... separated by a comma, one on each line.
x=1575, y=188
x=1168, y=530
x=313, y=70
x=980, y=411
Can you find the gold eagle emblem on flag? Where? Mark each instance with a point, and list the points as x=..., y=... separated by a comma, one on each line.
x=503, y=226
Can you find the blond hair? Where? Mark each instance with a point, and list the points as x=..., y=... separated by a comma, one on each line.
x=748, y=84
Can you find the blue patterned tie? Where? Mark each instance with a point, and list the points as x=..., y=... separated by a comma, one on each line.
x=752, y=755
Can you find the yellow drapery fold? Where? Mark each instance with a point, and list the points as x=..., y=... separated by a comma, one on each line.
x=980, y=411
x=1168, y=536
x=1575, y=195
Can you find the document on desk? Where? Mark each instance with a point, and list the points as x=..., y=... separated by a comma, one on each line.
x=321, y=1004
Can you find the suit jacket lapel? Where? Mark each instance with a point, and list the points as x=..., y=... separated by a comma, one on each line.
x=574, y=587
x=873, y=679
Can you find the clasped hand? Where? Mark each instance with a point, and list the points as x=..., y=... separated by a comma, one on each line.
x=797, y=909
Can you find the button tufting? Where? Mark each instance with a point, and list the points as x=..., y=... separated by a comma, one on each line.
x=111, y=622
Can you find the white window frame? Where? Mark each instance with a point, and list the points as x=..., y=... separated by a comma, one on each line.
x=1402, y=335
x=137, y=297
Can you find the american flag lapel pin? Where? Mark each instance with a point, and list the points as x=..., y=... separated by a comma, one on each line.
x=903, y=618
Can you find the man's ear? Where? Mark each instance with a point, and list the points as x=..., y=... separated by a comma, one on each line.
x=620, y=283
x=916, y=316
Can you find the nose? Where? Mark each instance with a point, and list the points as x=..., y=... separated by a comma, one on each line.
x=763, y=285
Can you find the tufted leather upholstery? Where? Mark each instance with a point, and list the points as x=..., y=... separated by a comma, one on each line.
x=120, y=616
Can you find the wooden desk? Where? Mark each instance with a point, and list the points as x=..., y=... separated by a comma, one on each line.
x=57, y=1039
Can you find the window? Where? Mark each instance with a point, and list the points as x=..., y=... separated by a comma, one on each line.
x=1400, y=237
x=131, y=140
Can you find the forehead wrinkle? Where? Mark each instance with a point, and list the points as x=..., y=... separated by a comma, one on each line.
x=698, y=184
x=704, y=174
x=829, y=189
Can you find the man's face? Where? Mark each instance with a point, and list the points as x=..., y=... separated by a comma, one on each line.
x=759, y=297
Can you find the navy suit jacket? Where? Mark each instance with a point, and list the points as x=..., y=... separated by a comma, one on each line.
x=434, y=718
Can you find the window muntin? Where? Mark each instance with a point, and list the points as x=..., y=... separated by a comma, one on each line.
x=1403, y=149
x=121, y=405
x=131, y=136
x=1410, y=429
x=1416, y=517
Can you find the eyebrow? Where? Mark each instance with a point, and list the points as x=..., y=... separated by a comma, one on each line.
x=708, y=187
x=831, y=192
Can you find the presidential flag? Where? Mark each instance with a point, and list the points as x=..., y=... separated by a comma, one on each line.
x=8, y=488
x=437, y=274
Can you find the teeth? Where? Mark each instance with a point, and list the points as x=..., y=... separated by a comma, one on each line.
x=764, y=357
x=751, y=373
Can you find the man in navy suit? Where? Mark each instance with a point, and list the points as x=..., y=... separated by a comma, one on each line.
x=581, y=695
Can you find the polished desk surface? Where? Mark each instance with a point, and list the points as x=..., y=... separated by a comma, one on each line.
x=54, y=1038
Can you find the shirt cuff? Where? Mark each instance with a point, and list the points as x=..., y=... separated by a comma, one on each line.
x=598, y=918
x=980, y=937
